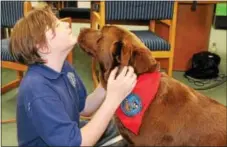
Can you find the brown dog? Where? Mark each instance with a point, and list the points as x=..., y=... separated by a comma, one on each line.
x=178, y=116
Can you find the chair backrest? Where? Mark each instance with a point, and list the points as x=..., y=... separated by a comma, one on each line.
x=11, y=12
x=71, y=4
x=138, y=10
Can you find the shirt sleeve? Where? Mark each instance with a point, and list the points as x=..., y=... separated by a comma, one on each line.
x=52, y=123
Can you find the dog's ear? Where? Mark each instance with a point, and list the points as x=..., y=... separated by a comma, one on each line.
x=139, y=58
x=122, y=52
x=143, y=62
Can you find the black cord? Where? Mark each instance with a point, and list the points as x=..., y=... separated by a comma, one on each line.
x=201, y=83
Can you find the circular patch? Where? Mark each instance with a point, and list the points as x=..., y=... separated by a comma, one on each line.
x=131, y=105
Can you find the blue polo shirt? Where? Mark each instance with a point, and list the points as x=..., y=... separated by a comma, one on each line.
x=48, y=107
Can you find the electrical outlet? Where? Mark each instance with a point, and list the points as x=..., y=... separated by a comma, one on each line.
x=213, y=47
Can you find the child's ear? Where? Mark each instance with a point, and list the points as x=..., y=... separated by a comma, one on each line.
x=42, y=49
x=50, y=34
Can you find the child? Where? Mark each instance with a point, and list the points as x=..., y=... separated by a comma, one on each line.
x=51, y=96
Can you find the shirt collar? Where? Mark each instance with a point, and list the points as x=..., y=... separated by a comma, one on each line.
x=47, y=71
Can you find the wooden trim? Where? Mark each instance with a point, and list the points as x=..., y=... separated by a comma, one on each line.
x=10, y=85
x=170, y=67
x=152, y=25
x=20, y=75
x=8, y=121
x=6, y=30
x=102, y=14
x=95, y=16
x=161, y=54
x=172, y=37
x=172, y=29
x=166, y=21
x=14, y=65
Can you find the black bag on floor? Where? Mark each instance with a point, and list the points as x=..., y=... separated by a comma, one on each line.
x=204, y=65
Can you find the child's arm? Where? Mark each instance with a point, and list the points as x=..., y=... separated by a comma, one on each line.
x=94, y=101
x=97, y=125
x=117, y=90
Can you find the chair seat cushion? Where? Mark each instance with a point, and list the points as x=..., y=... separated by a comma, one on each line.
x=152, y=41
x=5, y=54
x=73, y=12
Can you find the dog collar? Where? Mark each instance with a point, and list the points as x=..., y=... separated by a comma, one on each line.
x=133, y=107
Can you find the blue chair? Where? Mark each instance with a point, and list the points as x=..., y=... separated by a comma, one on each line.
x=137, y=13
x=71, y=9
x=11, y=12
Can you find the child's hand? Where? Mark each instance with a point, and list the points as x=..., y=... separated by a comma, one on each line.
x=119, y=88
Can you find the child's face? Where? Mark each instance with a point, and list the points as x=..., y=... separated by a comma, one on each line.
x=63, y=39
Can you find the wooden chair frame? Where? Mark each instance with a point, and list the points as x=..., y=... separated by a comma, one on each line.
x=61, y=5
x=98, y=21
x=20, y=68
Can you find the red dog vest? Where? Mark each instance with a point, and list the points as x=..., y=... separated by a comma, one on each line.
x=132, y=109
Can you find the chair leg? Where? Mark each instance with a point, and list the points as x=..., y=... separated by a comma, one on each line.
x=10, y=86
x=94, y=76
x=7, y=32
x=8, y=121
x=170, y=67
x=5, y=89
x=20, y=75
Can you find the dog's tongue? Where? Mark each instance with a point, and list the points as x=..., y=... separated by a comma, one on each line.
x=132, y=109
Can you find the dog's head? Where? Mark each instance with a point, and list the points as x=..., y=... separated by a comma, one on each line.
x=115, y=46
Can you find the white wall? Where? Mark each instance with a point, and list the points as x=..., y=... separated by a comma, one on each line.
x=84, y=4
x=219, y=37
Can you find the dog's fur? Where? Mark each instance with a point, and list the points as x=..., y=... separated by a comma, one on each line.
x=178, y=116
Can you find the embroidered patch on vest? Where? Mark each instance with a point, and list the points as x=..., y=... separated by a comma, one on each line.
x=72, y=78
x=131, y=105
x=132, y=109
